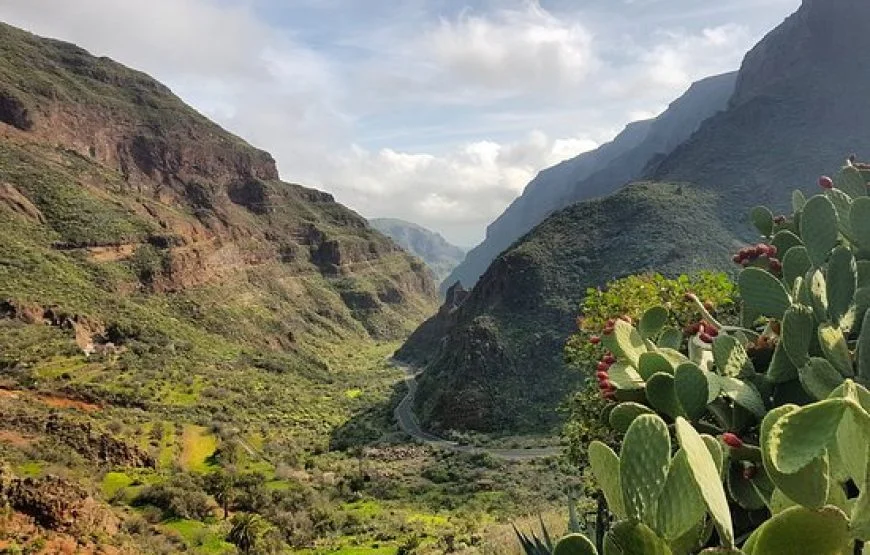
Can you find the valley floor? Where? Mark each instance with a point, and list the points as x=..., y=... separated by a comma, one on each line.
x=325, y=467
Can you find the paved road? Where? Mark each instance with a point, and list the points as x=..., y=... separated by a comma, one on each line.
x=409, y=424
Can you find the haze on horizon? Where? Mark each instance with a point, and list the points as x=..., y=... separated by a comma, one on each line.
x=438, y=112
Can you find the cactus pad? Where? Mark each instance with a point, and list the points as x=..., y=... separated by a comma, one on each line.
x=643, y=466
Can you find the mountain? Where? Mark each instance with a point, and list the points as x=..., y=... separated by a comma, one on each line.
x=796, y=113
x=431, y=247
x=168, y=306
x=598, y=172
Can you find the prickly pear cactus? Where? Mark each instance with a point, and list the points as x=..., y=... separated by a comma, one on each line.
x=771, y=417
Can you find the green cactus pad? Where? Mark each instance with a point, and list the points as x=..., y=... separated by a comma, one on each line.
x=798, y=200
x=781, y=368
x=707, y=478
x=860, y=219
x=653, y=362
x=818, y=294
x=843, y=205
x=643, y=466
x=743, y=394
x=842, y=278
x=802, y=435
x=820, y=378
x=693, y=390
x=798, y=328
x=784, y=241
x=860, y=517
x=671, y=338
x=742, y=490
x=731, y=358
x=652, y=322
x=852, y=449
x=864, y=350
x=624, y=377
x=850, y=181
x=634, y=538
x=801, y=530
x=762, y=219
x=625, y=342
x=661, y=394
x=819, y=228
x=680, y=506
x=810, y=485
x=624, y=414
x=795, y=264
x=714, y=446
x=862, y=304
x=575, y=544
x=605, y=468
x=836, y=350
x=762, y=291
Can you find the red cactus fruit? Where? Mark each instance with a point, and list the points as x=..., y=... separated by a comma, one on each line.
x=772, y=251
x=732, y=440
x=609, y=359
x=602, y=376
x=705, y=338
x=608, y=330
x=595, y=340
x=826, y=182
x=737, y=259
x=603, y=366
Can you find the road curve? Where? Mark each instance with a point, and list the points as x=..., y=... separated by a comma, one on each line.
x=407, y=420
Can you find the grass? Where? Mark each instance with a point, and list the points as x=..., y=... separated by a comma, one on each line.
x=114, y=482
x=197, y=446
x=201, y=538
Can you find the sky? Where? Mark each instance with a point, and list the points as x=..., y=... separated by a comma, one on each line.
x=434, y=111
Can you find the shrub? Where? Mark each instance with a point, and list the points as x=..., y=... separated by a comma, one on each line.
x=760, y=429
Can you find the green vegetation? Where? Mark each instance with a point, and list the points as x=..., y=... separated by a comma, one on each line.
x=513, y=326
x=749, y=437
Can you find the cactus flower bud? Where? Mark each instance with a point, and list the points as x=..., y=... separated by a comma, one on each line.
x=826, y=182
x=595, y=340
x=732, y=440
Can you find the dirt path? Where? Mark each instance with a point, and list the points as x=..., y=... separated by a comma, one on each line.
x=409, y=424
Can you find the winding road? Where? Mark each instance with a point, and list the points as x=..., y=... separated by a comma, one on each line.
x=407, y=420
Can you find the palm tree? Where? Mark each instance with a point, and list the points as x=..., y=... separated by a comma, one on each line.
x=246, y=532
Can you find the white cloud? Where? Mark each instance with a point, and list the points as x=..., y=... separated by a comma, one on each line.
x=344, y=112
x=511, y=50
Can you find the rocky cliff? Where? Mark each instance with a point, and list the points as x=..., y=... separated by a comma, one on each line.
x=433, y=249
x=797, y=112
x=598, y=172
x=104, y=170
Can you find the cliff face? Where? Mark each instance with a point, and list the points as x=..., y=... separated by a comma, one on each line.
x=433, y=249
x=110, y=172
x=597, y=173
x=797, y=112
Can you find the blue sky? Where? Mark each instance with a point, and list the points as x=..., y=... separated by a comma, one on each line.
x=434, y=111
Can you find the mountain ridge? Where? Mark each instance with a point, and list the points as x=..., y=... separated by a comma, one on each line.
x=792, y=116
x=431, y=247
x=598, y=172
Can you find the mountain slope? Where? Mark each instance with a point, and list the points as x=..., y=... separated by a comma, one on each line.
x=168, y=306
x=795, y=114
x=439, y=255
x=598, y=172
